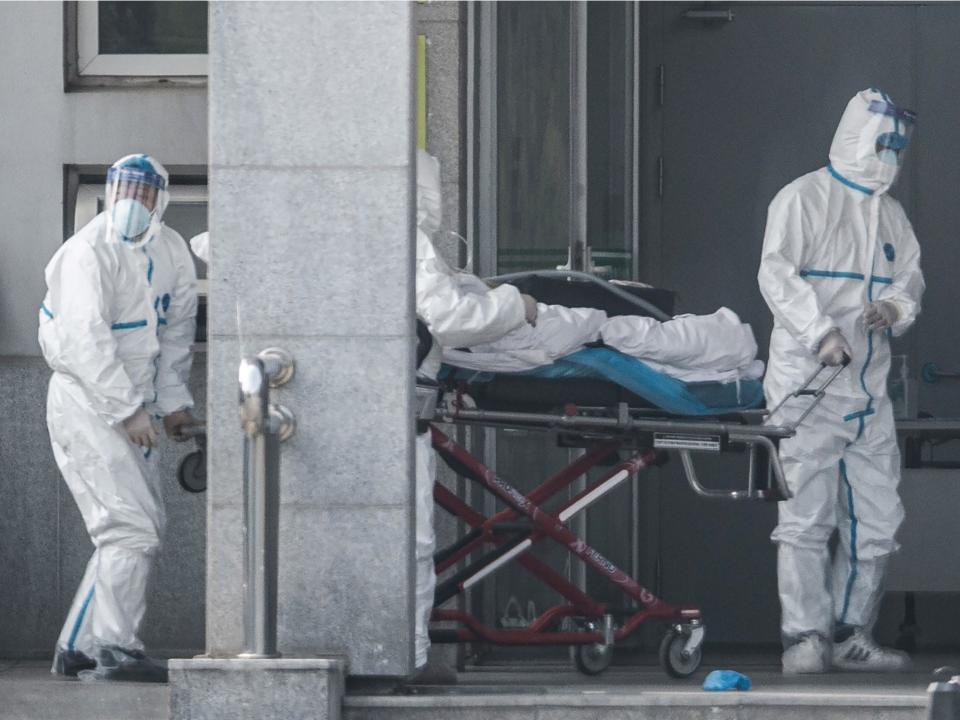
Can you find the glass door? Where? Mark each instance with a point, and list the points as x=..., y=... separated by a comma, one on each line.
x=534, y=135
x=552, y=174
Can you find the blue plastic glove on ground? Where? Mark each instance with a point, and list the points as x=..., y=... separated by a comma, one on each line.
x=726, y=680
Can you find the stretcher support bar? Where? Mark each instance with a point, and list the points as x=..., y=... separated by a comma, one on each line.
x=450, y=413
x=682, y=436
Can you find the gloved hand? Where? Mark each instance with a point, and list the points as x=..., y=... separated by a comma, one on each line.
x=176, y=420
x=530, y=309
x=834, y=348
x=880, y=315
x=140, y=430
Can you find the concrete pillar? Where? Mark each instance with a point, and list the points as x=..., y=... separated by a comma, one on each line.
x=311, y=217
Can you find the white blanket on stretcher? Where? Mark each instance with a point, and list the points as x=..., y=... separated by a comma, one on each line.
x=559, y=331
x=692, y=348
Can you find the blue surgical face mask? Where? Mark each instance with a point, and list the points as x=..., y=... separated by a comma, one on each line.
x=130, y=218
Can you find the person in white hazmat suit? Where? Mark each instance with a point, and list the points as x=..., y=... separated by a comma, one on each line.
x=460, y=310
x=840, y=271
x=116, y=327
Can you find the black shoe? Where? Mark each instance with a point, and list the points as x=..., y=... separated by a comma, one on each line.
x=431, y=678
x=116, y=663
x=69, y=662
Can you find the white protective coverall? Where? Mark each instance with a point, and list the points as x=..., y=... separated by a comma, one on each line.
x=460, y=310
x=116, y=327
x=835, y=242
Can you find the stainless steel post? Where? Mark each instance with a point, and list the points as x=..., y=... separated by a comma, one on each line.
x=265, y=426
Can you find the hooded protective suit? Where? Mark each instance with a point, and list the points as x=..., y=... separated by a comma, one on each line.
x=116, y=327
x=836, y=242
x=459, y=310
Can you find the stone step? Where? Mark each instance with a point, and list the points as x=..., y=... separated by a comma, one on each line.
x=613, y=705
x=645, y=693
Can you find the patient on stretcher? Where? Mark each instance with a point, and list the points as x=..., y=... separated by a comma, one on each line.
x=692, y=348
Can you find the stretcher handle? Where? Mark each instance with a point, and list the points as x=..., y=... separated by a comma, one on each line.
x=751, y=493
x=193, y=430
x=817, y=394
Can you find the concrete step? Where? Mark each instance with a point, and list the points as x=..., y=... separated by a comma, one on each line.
x=556, y=693
x=599, y=705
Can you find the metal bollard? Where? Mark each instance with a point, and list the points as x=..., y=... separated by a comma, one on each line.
x=943, y=695
x=265, y=425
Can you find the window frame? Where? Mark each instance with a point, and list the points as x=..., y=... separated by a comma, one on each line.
x=85, y=67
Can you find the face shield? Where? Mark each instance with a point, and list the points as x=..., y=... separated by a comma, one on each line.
x=889, y=130
x=883, y=139
x=136, y=196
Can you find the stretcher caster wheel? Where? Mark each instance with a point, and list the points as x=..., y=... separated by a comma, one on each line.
x=192, y=472
x=676, y=660
x=592, y=659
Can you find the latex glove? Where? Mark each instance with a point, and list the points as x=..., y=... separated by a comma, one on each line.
x=880, y=315
x=140, y=430
x=530, y=309
x=174, y=421
x=834, y=348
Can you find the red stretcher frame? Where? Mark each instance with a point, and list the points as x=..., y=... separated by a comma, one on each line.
x=539, y=524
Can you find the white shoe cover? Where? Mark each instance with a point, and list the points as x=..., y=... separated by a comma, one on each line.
x=807, y=656
x=860, y=653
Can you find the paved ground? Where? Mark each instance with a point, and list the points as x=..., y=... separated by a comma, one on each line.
x=29, y=692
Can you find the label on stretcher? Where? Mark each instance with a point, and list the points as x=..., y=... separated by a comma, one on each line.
x=681, y=441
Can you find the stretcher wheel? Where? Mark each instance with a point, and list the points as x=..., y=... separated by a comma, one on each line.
x=192, y=472
x=672, y=655
x=592, y=659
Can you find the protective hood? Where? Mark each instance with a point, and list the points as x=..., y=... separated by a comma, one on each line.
x=869, y=144
x=136, y=196
x=429, y=206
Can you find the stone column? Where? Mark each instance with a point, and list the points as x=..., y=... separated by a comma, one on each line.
x=311, y=215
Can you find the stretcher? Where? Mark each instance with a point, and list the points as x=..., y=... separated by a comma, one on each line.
x=611, y=407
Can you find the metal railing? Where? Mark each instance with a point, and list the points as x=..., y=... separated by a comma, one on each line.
x=265, y=425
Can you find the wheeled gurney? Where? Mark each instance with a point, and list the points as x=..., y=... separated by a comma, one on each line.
x=609, y=405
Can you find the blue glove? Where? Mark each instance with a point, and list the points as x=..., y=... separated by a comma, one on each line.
x=719, y=680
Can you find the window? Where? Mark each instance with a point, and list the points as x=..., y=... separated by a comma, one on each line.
x=147, y=41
